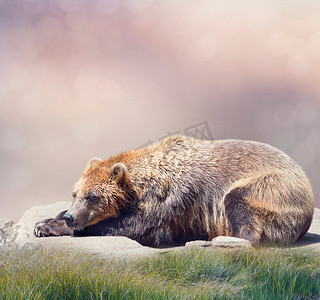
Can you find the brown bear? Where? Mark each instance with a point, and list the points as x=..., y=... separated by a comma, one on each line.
x=183, y=189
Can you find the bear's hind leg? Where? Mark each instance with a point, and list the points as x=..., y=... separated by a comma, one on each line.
x=269, y=208
x=241, y=218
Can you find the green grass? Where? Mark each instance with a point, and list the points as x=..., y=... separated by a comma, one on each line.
x=188, y=274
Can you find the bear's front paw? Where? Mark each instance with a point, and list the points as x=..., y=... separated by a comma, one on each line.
x=51, y=227
x=43, y=228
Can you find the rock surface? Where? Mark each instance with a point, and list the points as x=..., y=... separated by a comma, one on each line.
x=6, y=230
x=312, y=238
x=107, y=246
x=21, y=234
x=199, y=244
x=23, y=230
x=226, y=242
x=230, y=242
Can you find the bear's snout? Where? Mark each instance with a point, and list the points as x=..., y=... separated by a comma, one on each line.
x=68, y=218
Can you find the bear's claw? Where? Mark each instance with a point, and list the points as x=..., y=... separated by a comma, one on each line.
x=40, y=230
x=51, y=227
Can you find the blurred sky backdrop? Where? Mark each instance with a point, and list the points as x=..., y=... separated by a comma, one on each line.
x=80, y=79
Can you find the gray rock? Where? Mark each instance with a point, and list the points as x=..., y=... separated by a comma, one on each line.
x=6, y=223
x=108, y=246
x=6, y=230
x=21, y=234
x=312, y=238
x=315, y=225
x=3, y=238
x=199, y=244
x=230, y=242
x=23, y=230
x=221, y=242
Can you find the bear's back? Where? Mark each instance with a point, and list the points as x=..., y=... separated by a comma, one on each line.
x=228, y=158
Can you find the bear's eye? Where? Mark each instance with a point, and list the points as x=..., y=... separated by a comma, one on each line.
x=92, y=198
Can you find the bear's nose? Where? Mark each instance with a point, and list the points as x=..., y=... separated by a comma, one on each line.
x=68, y=218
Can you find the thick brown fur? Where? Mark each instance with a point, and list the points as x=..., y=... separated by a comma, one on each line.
x=184, y=189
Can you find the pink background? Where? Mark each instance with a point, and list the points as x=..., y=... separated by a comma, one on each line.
x=80, y=79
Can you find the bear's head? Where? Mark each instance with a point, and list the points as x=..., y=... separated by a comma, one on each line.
x=102, y=192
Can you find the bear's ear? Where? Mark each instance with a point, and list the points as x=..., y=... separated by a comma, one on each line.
x=118, y=172
x=93, y=162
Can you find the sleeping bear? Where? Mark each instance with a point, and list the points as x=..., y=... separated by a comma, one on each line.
x=183, y=189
